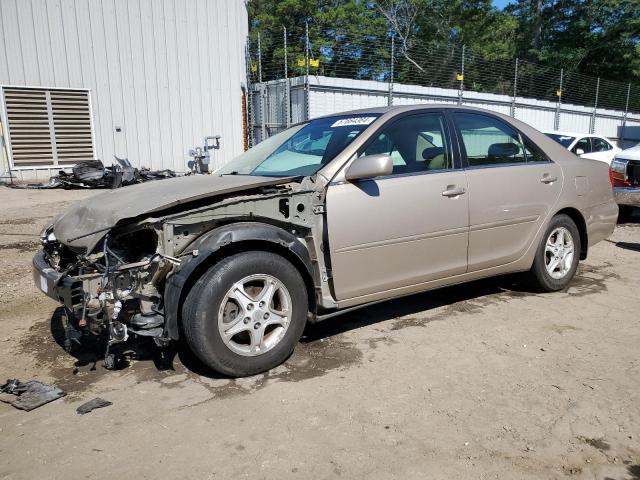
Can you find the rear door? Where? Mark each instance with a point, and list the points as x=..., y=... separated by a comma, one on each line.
x=601, y=150
x=406, y=228
x=512, y=187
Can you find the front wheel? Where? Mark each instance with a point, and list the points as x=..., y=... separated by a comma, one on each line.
x=246, y=314
x=557, y=257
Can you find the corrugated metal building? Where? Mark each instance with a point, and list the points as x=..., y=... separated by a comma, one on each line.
x=141, y=79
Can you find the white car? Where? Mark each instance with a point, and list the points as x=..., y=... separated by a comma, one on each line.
x=586, y=145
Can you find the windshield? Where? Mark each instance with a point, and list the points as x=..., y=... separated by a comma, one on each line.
x=301, y=150
x=564, y=140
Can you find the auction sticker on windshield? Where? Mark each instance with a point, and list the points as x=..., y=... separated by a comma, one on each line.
x=345, y=122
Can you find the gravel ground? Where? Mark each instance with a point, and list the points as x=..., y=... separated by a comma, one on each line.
x=483, y=380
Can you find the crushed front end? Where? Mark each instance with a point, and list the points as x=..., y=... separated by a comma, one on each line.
x=110, y=292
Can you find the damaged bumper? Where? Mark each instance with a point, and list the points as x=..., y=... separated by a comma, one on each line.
x=55, y=285
x=627, y=196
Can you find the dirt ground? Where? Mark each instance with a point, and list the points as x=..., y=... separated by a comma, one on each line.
x=483, y=380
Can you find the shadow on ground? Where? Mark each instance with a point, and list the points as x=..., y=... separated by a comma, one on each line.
x=322, y=348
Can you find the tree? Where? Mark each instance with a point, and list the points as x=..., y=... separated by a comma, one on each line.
x=592, y=37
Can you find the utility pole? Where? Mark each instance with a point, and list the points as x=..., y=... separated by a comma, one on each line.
x=592, y=124
x=461, y=86
x=287, y=90
x=624, y=118
x=556, y=122
x=390, y=99
x=263, y=126
x=515, y=90
x=306, y=75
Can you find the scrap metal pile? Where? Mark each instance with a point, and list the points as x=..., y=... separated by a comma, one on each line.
x=94, y=174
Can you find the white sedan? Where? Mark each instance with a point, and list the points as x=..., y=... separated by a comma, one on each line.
x=587, y=145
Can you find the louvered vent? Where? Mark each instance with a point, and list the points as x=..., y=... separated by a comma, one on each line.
x=48, y=127
x=72, y=125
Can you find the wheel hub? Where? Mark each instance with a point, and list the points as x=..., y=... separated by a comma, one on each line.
x=254, y=315
x=559, y=252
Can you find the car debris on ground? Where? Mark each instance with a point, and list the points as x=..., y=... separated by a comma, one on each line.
x=94, y=174
x=91, y=405
x=29, y=395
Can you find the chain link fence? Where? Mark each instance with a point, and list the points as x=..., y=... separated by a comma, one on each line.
x=288, y=53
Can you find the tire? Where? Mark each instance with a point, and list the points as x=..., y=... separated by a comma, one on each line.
x=540, y=277
x=227, y=298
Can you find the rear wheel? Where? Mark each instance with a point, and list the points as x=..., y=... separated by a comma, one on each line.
x=557, y=257
x=246, y=314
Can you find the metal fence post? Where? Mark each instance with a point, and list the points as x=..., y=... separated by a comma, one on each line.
x=461, y=87
x=393, y=45
x=556, y=121
x=592, y=124
x=263, y=126
x=624, y=118
x=287, y=91
x=250, y=112
x=515, y=90
x=306, y=75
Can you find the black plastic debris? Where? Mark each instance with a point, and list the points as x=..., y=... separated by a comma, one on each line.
x=28, y=395
x=94, y=174
x=92, y=405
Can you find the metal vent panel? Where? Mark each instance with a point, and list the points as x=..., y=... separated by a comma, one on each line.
x=48, y=127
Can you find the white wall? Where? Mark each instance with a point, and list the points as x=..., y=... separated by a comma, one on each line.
x=168, y=72
x=329, y=95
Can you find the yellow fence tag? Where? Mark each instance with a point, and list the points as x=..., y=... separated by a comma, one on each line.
x=459, y=77
x=314, y=62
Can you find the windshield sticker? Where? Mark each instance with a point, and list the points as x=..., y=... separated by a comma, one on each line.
x=345, y=122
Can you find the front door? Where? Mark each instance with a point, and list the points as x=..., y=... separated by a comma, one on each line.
x=512, y=187
x=406, y=228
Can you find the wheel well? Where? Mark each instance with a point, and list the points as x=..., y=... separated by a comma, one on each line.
x=246, y=246
x=578, y=219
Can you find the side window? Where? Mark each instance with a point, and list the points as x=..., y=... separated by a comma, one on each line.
x=489, y=141
x=583, y=144
x=416, y=143
x=600, y=144
x=534, y=154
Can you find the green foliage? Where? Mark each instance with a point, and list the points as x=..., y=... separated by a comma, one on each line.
x=351, y=38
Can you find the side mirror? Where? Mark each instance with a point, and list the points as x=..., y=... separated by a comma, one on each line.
x=579, y=151
x=369, y=166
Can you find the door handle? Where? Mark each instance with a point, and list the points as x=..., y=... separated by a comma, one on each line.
x=453, y=191
x=546, y=178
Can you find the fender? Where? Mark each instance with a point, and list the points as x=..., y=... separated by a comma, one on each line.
x=210, y=243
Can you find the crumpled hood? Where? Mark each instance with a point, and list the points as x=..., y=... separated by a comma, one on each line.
x=90, y=219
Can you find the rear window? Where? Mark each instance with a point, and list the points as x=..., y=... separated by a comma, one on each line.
x=564, y=140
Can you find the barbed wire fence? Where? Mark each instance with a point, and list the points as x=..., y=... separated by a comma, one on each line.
x=290, y=53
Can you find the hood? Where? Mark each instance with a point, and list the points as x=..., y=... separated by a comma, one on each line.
x=85, y=223
x=632, y=153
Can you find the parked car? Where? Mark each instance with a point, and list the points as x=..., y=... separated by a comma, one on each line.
x=332, y=214
x=625, y=179
x=589, y=146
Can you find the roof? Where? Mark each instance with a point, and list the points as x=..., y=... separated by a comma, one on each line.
x=573, y=134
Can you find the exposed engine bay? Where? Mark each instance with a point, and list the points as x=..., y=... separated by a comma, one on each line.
x=118, y=289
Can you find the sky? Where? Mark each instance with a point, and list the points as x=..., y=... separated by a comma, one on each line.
x=500, y=3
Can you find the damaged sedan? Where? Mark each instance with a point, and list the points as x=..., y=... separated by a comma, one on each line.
x=330, y=215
